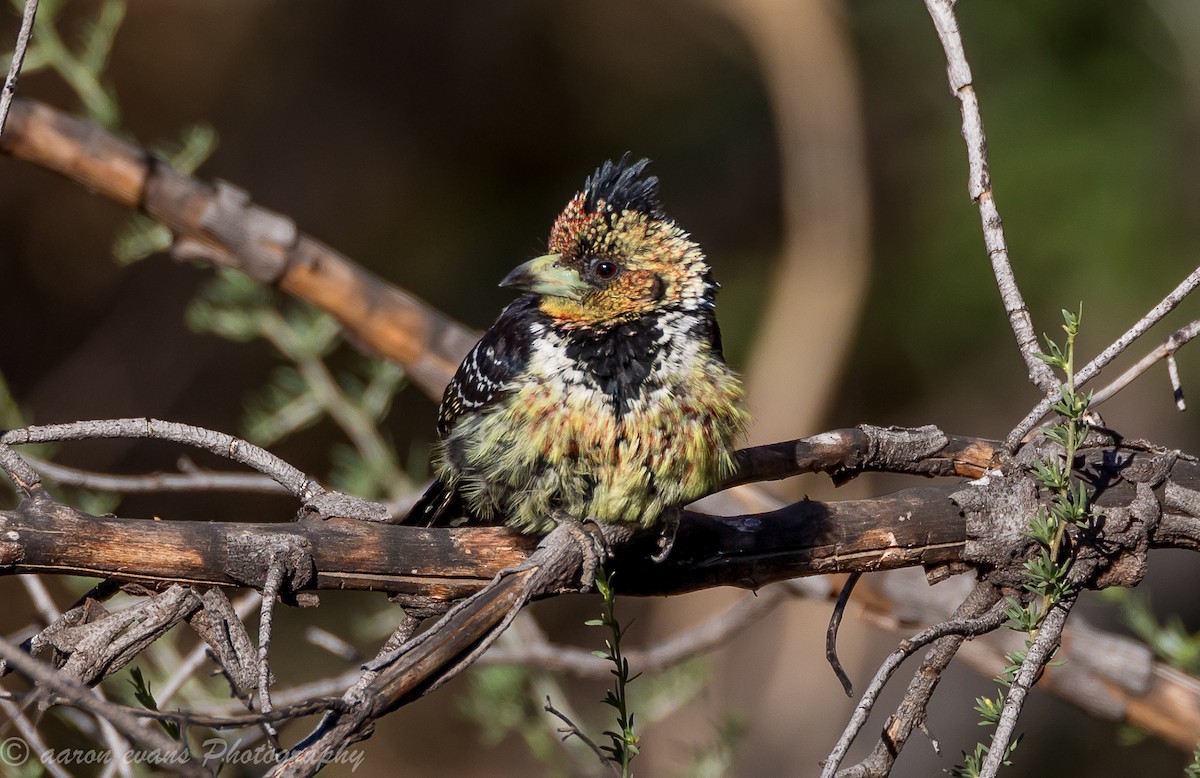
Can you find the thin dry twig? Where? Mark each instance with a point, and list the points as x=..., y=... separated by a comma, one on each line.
x=979, y=184
x=536, y=651
x=266, y=620
x=573, y=730
x=42, y=600
x=219, y=443
x=1165, y=350
x=77, y=695
x=911, y=711
x=115, y=742
x=32, y=737
x=831, y=632
x=18, y=60
x=963, y=627
x=284, y=713
x=1118, y=346
x=189, y=479
x=1048, y=637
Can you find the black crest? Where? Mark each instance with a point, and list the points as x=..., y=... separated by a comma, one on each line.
x=621, y=186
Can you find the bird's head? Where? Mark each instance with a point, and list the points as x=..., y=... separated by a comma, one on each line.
x=614, y=256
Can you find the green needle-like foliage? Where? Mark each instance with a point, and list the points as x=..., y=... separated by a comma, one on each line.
x=1047, y=573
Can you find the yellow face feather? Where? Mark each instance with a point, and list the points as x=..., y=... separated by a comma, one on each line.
x=656, y=265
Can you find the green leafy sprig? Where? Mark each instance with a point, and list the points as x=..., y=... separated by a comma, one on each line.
x=1048, y=573
x=624, y=743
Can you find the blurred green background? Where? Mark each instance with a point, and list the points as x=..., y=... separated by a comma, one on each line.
x=812, y=148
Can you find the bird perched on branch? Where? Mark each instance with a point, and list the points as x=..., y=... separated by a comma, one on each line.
x=600, y=394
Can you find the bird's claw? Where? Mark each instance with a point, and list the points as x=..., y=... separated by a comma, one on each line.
x=666, y=539
x=589, y=536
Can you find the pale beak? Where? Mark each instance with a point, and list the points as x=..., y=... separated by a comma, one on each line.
x=544, y=275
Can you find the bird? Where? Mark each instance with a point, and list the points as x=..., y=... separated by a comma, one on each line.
x=600, y=394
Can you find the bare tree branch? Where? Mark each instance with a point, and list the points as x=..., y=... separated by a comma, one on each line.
x=218, y=443
x=1047, y=640
x=979, y=184
x=1165, y=351
x=174, y=756
x=18, y=59
x=218, y=222
x=191, y=479
x=680, y=647
x=29, y=732
x=1117, y=347
x=910, y=714
x=968, y=627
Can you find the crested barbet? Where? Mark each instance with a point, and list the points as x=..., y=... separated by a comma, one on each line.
x=602, y=392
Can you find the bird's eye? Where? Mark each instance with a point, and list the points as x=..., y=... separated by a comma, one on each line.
x=605, y=270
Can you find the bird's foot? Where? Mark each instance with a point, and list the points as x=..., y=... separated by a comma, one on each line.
x=589, y=535
x=666, y=539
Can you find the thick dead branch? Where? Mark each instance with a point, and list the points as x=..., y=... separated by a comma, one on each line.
x=919, y=526
x=426, y=566
x=845, y=453
x=92, y=644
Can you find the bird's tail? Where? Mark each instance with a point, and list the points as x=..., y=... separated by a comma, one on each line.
x=436, y=507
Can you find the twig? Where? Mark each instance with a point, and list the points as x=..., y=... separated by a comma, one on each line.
x=572, y=729
x=79, y=696
x=1093, y=368
x=963, y=627
x=1166, y=350
x=831, y=632
x=115, y=742
x=1047, y=640
x=18, y=59
x=979, y=185
x=42, y=600
x=266, y=618
x=16, y=714
x=220, y=223
x=189, y=480
x=323, y=638
x=193, y=661
x=283, y=713
x=218, y=443
x=912, y=709
x=535, y=650
x=544, y=683
x=399, y=637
